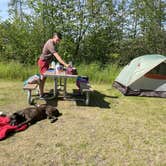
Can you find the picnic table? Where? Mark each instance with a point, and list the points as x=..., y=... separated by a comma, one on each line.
x=61, y=76
x=85, y=88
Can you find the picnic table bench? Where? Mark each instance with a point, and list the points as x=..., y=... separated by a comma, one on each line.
x=29, y=88
x=86, y=89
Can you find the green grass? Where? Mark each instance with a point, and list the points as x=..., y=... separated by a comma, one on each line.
x=17, y=71
x=114, y=130
x=98, y=74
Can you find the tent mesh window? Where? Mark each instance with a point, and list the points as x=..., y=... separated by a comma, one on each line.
x=158, y=72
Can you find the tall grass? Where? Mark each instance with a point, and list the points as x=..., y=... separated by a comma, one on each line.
x=96, y=73
x=99, y=74
x=16, y=71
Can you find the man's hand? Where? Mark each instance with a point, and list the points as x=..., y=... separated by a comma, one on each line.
x=57, y=56
x=68, y=65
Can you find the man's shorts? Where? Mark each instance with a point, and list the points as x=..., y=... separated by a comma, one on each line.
x=43, y=66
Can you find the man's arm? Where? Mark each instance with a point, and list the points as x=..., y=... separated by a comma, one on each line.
x=60, y=59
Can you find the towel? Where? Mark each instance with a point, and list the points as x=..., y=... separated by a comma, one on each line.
x=6, y=128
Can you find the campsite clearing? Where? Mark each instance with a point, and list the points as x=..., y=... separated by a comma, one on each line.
x=113, y=130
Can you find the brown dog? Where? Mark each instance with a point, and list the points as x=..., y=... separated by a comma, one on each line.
x=33, y=114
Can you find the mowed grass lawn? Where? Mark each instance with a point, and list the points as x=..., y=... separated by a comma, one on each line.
x=113, y=130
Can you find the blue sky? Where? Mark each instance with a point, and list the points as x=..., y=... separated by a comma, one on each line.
x=4, y=9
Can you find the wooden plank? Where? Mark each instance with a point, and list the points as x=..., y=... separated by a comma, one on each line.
x=30, y=86
x=59, y=75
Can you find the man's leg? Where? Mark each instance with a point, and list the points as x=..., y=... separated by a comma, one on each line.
x=41, y=85
x=43, y=67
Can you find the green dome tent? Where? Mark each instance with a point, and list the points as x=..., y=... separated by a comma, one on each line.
x=143, y=76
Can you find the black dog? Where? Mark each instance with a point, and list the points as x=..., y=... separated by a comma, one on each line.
x=33, y=114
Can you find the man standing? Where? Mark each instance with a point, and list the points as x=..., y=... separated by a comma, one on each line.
x=48, y=53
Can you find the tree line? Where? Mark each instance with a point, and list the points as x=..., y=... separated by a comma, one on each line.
x=102, y=31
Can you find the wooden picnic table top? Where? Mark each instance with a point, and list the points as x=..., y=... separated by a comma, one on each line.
x=52, y=73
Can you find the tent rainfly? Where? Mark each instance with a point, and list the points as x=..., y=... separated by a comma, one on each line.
x=143, y=76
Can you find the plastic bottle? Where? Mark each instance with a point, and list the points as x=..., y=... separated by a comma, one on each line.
x=70, y=63
x=57, y=67
x=53, y=66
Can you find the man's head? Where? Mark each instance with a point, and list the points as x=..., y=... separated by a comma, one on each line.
x=57, y=37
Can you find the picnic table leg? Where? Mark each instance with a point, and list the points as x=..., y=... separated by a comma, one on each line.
x=55, y=87
x=87, y=98
x=65, y=88
x=29, y=97
x=60, y=82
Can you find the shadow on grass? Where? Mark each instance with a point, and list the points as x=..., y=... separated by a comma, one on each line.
x=53, y=102
x=97, y=99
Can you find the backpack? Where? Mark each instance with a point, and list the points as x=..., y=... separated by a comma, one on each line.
x=81, y=79
x=35, y=79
